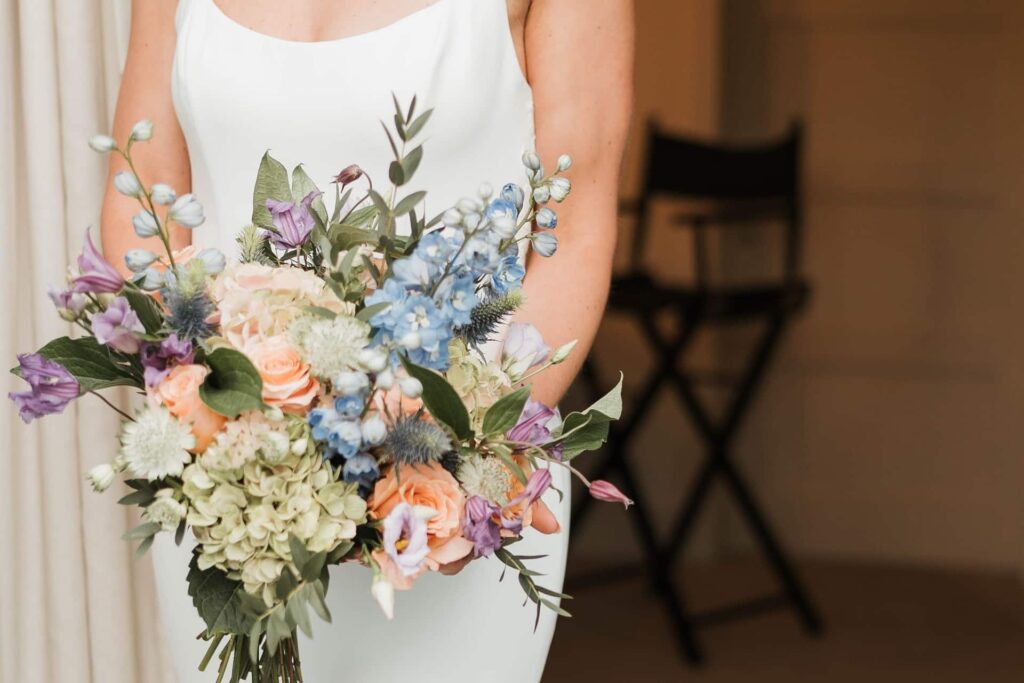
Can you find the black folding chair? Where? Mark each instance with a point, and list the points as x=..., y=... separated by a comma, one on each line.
x=752, y=187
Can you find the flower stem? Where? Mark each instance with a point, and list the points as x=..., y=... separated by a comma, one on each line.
x=116, y=409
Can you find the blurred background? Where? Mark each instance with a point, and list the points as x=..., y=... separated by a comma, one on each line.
x=882, y=443
x=830, y=198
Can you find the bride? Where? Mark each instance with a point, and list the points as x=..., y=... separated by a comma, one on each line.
x=224, y=80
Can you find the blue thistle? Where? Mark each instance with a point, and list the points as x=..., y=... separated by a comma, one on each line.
x=413, y=441
x=488, y=315
x=188, y=312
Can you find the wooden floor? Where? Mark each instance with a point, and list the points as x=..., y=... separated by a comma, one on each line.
x=882, y=624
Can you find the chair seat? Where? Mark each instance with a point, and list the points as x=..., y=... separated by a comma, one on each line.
x=640, y=293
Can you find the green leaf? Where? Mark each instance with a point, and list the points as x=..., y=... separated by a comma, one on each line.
x=373, y=310
x=271, y=183
x=146, y=308
x=362, y=217
x=300, y=555
x=233, y=385
x=396, y=174
x=409, y=203
x=277, y=629
x=302, y=185
x=417, y=125
x=411, y=162
x=505, y=413
x=298, y=612
x=144, y=547
x=313, y=566
x=588, y=430
x=441, y=399
x=144, y=530
x=317, y=602
x=91, y=364
x=218, y=600
x=344, y=237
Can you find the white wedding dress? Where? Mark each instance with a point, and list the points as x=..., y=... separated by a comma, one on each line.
x=237, y=93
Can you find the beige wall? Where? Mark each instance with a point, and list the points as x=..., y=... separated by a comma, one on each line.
x=892, y=426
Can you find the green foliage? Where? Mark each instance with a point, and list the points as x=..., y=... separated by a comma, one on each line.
x=233, y=385
x=588, y=430
x=505, y=413
x=538, y=595
x=224, y=605
x=93, y=365
x=146, y=308
x=441, y=399
x=271, y=183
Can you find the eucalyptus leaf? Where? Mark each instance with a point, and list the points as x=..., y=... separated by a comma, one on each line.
x=409, y=203
x=396, y=174
x=441, y=399
x=367, y=313
x=411, y=162
x=416, y=126
x=233, y=385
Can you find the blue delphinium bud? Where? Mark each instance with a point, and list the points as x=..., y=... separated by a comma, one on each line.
x=531, y=161
x=138, y=260
x=127, y=184
x=351, y=383
x=547, y=219
x=142, y=131
x=564, y=163
x=145, y=225
x=213, y=260
x=560, y=188
x=102, y=143
x=349, y=405
x=541, y=194
x=151, y=280
x=374, y=431
x=163, y=194
x=187, y=211
x=345, y=437
x=513, y=193
x=544, y=243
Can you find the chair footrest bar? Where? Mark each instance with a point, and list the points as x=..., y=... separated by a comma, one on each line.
x=740, y=610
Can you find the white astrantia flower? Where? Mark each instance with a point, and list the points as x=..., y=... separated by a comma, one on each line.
x=165, y=510
x=101, y=477
x=331, y=346
x=485, y=477
x=156, y=444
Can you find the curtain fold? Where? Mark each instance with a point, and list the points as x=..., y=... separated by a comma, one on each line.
x=74, y=605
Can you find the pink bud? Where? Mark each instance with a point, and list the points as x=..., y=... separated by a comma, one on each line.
x=602, y=490
x=349, y=174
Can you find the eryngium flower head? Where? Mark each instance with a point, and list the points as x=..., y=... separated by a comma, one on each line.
x=413, y=441
x=188, y=313
x=488, y=316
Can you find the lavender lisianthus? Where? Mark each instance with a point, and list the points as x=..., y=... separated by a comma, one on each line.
x=51, y=387
x=68, y=302
x=118, y=327
x=293, y=221
x=159, y=359
x=95, y=274
x=524, y=348
x=480, y=525
x=405, y=539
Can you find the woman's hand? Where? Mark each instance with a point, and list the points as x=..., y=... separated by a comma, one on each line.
x=146, y=94
x=580, y=64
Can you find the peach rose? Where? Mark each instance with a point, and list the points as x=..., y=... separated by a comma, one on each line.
x=432, y=486
x=179, y=391
x=287, y=382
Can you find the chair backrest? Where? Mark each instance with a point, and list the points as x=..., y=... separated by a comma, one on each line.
x=766, y=176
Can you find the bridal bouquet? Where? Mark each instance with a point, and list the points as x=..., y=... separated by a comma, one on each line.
x=326, y=397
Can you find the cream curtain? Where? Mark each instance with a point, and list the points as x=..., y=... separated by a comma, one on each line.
x=74, y=606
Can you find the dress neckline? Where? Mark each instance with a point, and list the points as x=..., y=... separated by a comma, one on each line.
x=395, y=25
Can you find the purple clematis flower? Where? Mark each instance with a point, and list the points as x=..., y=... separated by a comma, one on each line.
x=532, y=425
x=293, y=221
x=481, y=525
x=52, y=387
x=159, y=359
x=405, y=539
x=96, y=275
x=118, y=327
x=536, y=485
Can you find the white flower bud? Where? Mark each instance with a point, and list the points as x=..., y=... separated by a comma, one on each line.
x=485, y=191
x=560, y=188
x=374, y=430
x=299, y=446
x=531, y=161
x=374, y=360
x=541, y=195
x=145, y=225
x=544, y=243
x=564, y=163
x=384, y=593
x=467, y=205
x=349, y=383
x=163, y=194
x=504, y=226
x=102, y=143
x=187, y=211
x=385, y=380
x=410, y=340
x=101, y=477
x=213, y=260
x=278, y=447
x=547, y=219
x=452, y=218
x=138, y=260
x=127, y=184
x=151, y=280
x=562, y=352
x=411, y=387
x=472, y=221
x=143, y=130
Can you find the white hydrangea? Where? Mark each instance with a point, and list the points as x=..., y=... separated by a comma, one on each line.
x=243, y=517
x=156, y=444
x=485, y=477
x=331, y=345
x=166, y=510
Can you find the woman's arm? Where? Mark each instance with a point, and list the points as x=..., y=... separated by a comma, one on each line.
x=579, y=59
x=146, y=94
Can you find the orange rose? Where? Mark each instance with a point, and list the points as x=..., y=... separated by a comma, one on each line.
x=287, y=382
x=431, y=486
x=179, y=391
